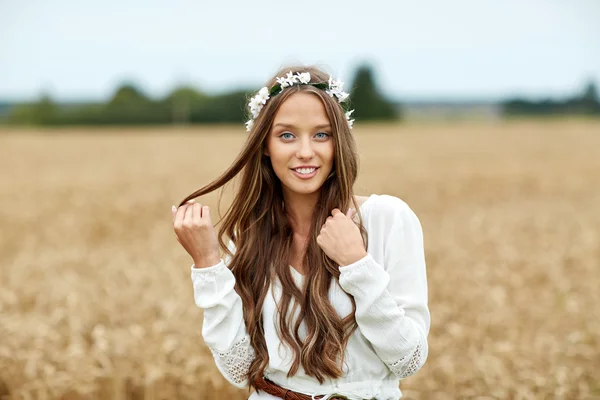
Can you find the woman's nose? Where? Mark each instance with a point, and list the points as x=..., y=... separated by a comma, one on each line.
x=305, y=149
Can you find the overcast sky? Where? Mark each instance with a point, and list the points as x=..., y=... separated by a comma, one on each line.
x=424, y=49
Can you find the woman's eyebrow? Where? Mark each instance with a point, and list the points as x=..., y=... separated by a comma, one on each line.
x=284, y=125
x=322, y=126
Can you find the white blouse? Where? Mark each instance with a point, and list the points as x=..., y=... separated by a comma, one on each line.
x=389, y=286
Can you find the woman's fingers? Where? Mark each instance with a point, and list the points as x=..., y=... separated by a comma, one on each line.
x=206, y=213
x=189, y=215
x=197, y=213
x=180, y=215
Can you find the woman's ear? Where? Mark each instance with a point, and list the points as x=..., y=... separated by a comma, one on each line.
x=266, y=152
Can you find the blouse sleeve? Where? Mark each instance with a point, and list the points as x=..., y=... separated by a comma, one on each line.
x=391, y=299
x=223, y=329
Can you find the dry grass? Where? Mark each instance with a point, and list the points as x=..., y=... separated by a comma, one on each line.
x=96, y=300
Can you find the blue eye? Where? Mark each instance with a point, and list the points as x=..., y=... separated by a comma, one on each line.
x=286, y=135
x=324, y=135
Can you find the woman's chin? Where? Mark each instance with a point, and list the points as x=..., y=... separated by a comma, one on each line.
x=306, y=188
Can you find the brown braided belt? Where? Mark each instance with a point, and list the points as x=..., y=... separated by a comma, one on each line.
x=286, y=394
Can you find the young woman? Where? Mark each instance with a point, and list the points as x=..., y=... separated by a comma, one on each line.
x=321, y=293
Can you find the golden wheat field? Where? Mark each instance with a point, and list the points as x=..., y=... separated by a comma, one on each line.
x=96, y=298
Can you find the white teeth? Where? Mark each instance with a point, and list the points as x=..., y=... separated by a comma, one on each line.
x=305, y=171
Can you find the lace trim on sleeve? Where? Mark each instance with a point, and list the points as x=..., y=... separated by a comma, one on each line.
x=235, y=362
x=410, y=364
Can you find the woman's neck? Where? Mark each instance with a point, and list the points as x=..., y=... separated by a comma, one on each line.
x=299, y=209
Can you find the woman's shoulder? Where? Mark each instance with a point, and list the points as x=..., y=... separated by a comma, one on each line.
x=384, y=205
x=389, y=215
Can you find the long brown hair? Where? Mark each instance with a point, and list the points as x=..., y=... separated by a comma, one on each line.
x=259, y=228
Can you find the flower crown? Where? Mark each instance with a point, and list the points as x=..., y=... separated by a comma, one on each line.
x=332, y=88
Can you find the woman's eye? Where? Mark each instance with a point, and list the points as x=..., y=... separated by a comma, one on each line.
x=322, y=135
x=286, y=135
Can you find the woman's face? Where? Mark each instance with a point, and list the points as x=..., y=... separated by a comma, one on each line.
x=300, y=144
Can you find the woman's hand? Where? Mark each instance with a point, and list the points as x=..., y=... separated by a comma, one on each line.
x=195, y=232
x=340, y=238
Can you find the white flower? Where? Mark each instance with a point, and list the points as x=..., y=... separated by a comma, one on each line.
x=334, y=85
x=337, y=93
x=263, y=95
x=291, y=78
x=304, y=77
x=335, y=88
x=342, y=96
x=249, y=125
x=282, y=82
x=350, y=121
x=256, y=105
x=256, y=102
x=330, y=82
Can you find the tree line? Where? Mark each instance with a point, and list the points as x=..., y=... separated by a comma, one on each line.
x=130, y=106
x=186, y=105
x=586, y=103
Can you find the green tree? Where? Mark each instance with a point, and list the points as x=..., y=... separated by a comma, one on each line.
x=368, y=102
x=42, y=112
x=226, y=108
x=588, y=102
x=127, y=94
x=45, y=110
x=182, y=101
x=130, y=106
x=591, y=92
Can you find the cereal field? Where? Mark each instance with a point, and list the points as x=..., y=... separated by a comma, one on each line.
x=96, y=299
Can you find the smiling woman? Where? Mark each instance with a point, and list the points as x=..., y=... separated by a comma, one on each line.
x=320, y=292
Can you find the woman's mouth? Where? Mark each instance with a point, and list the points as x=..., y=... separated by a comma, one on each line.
x=305, y=172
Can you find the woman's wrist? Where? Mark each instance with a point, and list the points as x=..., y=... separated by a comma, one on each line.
x=206, y=262
x=352, y=258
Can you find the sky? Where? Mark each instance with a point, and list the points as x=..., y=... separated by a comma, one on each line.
x=426, y=49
